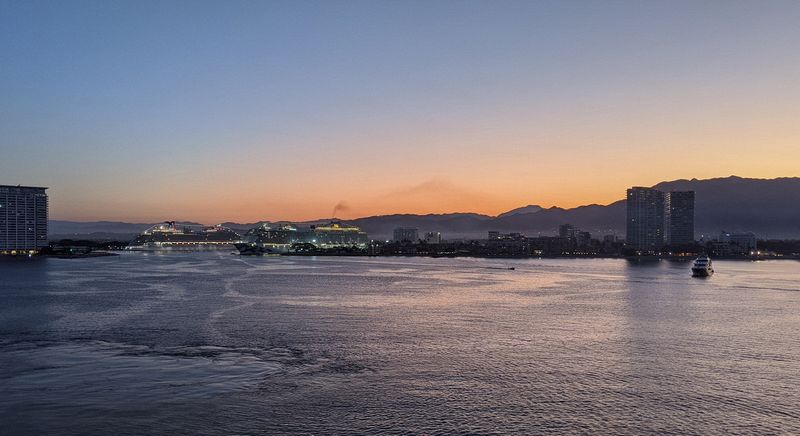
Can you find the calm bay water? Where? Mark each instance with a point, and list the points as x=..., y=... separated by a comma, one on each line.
x=212, y=343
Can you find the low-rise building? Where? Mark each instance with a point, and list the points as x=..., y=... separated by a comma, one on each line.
x=433, y=238
x=735, y=243
x=406, y=234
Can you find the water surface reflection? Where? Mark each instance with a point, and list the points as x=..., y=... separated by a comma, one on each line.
x=213, y=343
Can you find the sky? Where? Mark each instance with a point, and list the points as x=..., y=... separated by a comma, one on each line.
x=295, y=110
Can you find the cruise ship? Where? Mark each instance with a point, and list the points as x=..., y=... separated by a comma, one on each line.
x=269, y=239
x=169, y=236
x=337, y=234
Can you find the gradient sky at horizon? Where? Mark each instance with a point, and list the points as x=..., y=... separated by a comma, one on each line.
x=251, y=110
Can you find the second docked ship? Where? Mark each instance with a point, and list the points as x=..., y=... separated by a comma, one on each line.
x=283, y=238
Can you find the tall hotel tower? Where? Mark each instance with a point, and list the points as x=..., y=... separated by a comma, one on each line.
x=23, y=219
x=680, y=217
x=645, y=225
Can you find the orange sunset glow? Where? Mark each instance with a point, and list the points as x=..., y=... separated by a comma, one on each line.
x=262, y=122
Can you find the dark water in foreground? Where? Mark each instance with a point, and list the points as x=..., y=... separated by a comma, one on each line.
x=214, y=343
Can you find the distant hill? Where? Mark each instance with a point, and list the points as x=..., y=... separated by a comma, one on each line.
x=453, y=224
x=767, y=207
x=94, y=230
x=597, y=219
x=531, y=208
x=594, y=218
x=98, y=230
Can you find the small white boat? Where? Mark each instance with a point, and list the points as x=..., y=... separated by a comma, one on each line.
x=702, y=267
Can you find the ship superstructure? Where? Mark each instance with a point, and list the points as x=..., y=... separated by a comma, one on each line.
x=283, y=238
x=169, y=236
x=702, y=267
x=269, y=239
x=337, y=234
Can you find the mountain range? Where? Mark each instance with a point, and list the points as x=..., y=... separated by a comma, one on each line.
x=768, y=207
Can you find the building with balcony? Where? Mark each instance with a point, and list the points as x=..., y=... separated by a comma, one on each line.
x=23, y=219
x=680, y=217
x=645, y=219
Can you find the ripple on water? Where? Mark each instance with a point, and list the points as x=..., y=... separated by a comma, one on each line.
x=393, y=345
x=96, y=374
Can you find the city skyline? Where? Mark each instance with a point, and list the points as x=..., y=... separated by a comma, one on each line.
x=399, y=217
x=283, y=111
x=343, y=211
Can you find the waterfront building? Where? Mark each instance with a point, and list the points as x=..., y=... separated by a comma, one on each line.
x=514, y=236
x=509, y=245
x=645, y=219
x=680, y=217
x=433, y=238
x=567, y=231
x=655, y=218
x=23, y=219
x=406, y=234
x=552, y=245
x=583, y=239
x=738, y=243
x=494, y=234
x=609, y=244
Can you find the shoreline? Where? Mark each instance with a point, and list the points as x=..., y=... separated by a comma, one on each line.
x=110, y=253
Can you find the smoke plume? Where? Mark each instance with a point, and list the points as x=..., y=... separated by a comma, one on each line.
x=340, y=207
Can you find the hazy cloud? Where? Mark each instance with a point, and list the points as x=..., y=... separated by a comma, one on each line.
x=436, y=194
x=433, y=187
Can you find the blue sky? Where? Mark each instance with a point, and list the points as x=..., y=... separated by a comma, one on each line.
x=143, y=109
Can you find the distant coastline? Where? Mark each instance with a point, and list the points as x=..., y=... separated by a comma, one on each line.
x=770, y=208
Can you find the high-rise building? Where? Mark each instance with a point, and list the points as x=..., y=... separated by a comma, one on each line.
x=407, y=234
x=645, y=219
x=567, y=231
x=680, y=217
x=23, y=219
x=584, y=239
